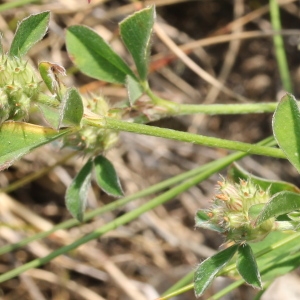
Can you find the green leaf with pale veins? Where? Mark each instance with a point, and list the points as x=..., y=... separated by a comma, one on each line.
x=209, y=268
x=29, y=32
x=136, y=31
x=247, y=266
x=77, y=192
x=286, y=128
x=279, y=204
x=106, y=177
x=94, y=57
x=19, y=138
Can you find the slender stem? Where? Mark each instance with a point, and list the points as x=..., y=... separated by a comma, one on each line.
x=124, y=219
x=177, y=292
x=13, y=4
x=118, y=203
x=186, y=280
x=176, y=109
x=279, y=47
x=226, y=109
x=110, y=123
x=208, y=171
x=227, y=290
x=109, y=207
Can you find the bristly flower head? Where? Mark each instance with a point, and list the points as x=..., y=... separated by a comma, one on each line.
x=232, y=212
x=19, y=85
x=94, y=140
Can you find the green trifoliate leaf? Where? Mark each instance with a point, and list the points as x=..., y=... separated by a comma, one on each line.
x=94, y=56
x=209, y=268
x=18, y=138
x=76, y=195
x=29, y=32
x=279, y=204
x=136, y=33
x=286, y=128
x=71, y=111
x=107, y=177
x=247, y=266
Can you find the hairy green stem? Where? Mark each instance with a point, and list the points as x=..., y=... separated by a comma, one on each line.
x=227, y=109
x=119, y=125
x=175, y=109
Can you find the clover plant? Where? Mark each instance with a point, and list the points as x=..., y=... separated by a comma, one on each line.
x=251, y=213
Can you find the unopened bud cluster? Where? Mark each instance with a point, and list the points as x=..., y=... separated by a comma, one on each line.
x=90, y=139
x=19, y=85
x=230, y=215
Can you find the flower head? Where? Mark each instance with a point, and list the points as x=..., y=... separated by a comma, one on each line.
x=94, y=140
x=19, y=85
x=231, y=212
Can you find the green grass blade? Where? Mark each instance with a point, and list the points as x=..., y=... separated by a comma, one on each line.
x=279, y=47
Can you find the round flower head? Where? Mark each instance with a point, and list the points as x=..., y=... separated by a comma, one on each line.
x=93, y=140
x=19, y=85
x=231, y=212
